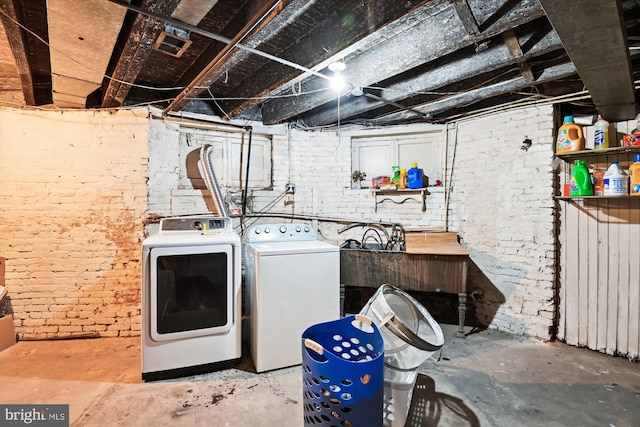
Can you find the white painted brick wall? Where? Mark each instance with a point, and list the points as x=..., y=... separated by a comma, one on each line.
x=502, y=207
x=164, y=169
x=73, y=200
x=318, y=163
x=75, y=268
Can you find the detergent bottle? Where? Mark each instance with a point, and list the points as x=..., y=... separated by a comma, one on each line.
x=403, y=178
x=616, y=182
x=634, y=189
x=414, y=176
x=570, y=137
x=580, y=180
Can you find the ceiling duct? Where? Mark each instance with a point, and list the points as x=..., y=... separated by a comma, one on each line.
x=173, y=41
x=210, y=180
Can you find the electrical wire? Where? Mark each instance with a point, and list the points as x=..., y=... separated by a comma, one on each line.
x=257, y=215
x=573, y=97
x=155, y=88
x=258, y=98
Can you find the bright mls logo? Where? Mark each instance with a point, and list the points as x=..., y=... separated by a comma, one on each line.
x=34, y=415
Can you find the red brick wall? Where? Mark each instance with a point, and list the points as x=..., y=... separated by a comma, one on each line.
x=73, y=199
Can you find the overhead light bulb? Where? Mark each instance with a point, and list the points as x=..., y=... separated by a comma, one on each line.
x=337, y=81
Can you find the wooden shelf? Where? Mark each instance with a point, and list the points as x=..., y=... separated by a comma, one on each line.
x=594, y=153
x=583, y=154
x=574, y=198
x=387, y=194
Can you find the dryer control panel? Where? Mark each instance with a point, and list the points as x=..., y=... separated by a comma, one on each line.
x=200, y=224
x=281, y=233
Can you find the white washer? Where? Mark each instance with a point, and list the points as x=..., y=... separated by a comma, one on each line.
x=293, y=282
x=191, y=297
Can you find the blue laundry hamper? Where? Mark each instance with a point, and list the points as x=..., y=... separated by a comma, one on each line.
x=343, y=373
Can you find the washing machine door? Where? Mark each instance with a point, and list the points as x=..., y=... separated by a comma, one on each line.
x=191, y=291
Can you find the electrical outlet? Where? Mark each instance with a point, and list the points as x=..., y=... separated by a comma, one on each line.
x=291, y=188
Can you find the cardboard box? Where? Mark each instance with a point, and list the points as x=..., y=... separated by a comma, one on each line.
x=631, y=140
x=7, y=332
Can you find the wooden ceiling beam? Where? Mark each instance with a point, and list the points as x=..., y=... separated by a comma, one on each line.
x=466, y=17
x=599, y=49
x=512, y=43
x=495, y=57
x=362, y=22
x=469, y=97
x=31, y=55
x=433, y=35
x=139, y=41
x=304, y=51
x=267, y=19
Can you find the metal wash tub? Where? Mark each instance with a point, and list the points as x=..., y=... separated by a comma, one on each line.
x=432, y=262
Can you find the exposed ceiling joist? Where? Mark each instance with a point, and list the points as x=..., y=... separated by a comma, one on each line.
x=473, y=96
x=596, y=41
x=268, y=60
x=495, y=57
x=192, y=11
x=31, y=55
x=511, y=40
x=268, y=19
x=129, y=62
x=338, y=36
x=434, y=35
x=466, y=17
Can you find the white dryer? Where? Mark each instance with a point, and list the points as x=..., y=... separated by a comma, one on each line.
x=191, y=297
x=292, y=282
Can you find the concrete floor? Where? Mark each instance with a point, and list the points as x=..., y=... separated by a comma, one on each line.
x=486, y=379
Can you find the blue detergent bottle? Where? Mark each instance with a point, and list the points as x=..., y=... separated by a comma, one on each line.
x=414, y=176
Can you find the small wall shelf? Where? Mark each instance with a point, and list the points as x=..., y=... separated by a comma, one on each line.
x=389, y=195
x=601, y=158
x=570, y=198
x=593, y=153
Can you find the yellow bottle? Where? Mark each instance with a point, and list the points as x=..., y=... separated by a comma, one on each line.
x=570, y=137
x=403, y=178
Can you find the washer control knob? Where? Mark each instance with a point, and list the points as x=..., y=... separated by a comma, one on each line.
x=298, y=229
x=267, y=230
x=258, y=231
x=283, y=229
x=306, y=229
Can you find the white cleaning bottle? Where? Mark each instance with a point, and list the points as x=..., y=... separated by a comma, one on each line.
x=601, y=136
x=616, y=182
